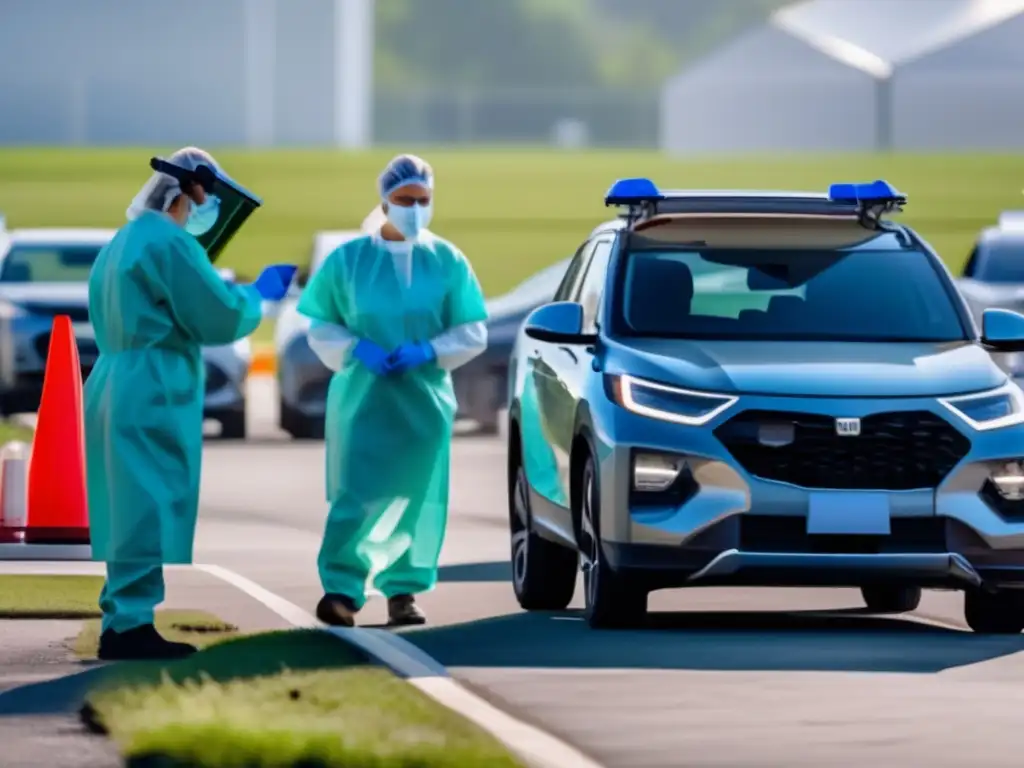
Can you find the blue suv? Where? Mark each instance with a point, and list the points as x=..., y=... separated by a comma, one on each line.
x=764, y=389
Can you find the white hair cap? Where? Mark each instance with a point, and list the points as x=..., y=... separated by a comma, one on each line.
x=161, y=190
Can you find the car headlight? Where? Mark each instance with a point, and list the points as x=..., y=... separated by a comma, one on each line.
x=661, y=401
x=995, y=409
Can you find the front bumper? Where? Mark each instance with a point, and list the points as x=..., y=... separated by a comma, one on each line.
x=733, y=526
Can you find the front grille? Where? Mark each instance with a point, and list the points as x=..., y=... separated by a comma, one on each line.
x=898, y=451
x=77, y=312
x=215, y=378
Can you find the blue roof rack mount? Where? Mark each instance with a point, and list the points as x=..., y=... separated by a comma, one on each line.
x=872, y=199
x=633, y=192
x=870, y=193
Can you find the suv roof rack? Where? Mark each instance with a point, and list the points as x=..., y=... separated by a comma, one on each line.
x=641, y=198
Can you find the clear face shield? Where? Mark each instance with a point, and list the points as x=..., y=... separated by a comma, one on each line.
x=228, y=204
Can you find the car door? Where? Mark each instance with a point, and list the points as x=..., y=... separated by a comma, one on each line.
x=537, y=410
x=570, y=364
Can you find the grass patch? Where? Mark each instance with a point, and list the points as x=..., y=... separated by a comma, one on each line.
x=283, y=699
x=512, y=211
x=195, y=627
x=10, y=431
x=49, y=597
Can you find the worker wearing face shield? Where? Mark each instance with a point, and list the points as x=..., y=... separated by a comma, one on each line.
x=154, y=300
x=393, y=312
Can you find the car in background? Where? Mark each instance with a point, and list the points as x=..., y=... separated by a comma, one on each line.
x=481, y=386
x=993, y=276
x=302, y=380
x=764, y=389
x=45, y=273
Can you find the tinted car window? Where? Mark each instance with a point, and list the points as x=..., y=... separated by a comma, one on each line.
x=569, y=282
x=858, y=295
x=48, y=263
x=1000, y=263
x=593, y=284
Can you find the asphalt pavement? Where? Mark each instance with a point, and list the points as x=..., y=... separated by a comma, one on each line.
x=766, y=678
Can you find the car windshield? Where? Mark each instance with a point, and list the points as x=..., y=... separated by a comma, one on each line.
x=48, y=263
x=1002, y=263
x=859, y=295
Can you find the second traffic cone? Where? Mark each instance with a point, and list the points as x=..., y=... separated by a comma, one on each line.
x=57, y=502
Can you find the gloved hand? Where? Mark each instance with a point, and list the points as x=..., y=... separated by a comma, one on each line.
x=273, y=282
x=411, y=354
x=372, y=356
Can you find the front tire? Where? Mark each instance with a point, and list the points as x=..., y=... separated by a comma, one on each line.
x=543, y=573
x=233, y=426
x=612, y=602
x=298, y=425
x=891, y=599
x=1001, y=613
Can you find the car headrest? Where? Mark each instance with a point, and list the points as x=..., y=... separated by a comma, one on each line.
x=18, y=273
x=784, y=305
x=662, y=294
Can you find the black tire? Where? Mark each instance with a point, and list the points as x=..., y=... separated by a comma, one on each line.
x=300, y=426
x=1001, y=613
x=543, y=573
x=891, y=599
x=611, y=601
x=233, y=426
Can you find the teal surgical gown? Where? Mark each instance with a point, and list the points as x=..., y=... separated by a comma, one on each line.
x=389, y=437
x=154, y=301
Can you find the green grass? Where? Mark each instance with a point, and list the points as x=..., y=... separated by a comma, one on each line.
x=10, y=431
x=283, y=699
x=49, y=597
x=511, y=211
x=196, y=627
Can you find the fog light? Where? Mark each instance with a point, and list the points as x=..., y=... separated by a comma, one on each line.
x=1009, y=481
x=655, y=472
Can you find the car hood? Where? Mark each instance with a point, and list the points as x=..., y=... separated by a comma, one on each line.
x=46, y=293
x=812, y=369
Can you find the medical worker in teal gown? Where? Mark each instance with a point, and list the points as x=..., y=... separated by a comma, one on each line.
x=154, y=300
x=393, y=312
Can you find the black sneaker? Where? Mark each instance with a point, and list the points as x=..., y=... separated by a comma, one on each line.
x=140, y=644
x=403, y=612
x=337, y=610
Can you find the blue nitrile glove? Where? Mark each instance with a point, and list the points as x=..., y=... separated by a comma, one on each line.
x=273, y=282
x=372, y=356
x=412, y=354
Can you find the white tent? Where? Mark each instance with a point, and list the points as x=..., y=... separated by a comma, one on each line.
x=855, y=75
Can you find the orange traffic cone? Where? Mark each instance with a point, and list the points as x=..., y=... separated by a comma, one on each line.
x=57, y=503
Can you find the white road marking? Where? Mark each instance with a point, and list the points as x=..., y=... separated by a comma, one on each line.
x=538, y=748
x=287, y=610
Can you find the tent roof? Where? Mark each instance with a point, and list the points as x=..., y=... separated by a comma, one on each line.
x=899, y=31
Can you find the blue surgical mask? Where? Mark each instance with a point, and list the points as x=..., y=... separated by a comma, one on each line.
x=409, y=220
x=202, y=217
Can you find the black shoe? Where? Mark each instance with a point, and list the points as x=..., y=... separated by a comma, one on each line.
x=403, y=612
x=139, y=644
x=337, y=610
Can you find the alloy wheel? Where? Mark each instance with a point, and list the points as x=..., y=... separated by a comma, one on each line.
x=520, y=524
x=590, y=548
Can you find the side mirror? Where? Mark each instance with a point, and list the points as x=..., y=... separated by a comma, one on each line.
x=1002, y=330
x=559, y=323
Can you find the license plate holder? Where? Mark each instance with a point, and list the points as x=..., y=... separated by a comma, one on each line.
x=843, y=513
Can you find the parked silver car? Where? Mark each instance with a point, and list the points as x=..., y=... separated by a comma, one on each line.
x=302, y=379
x=45, y=273
x=993, y=277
